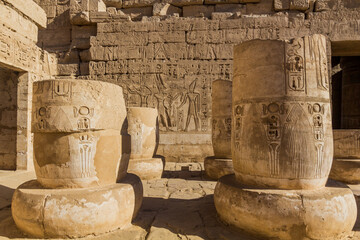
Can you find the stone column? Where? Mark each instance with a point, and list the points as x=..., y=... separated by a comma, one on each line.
x=142, y=124
x=221, y=163
x=78, y=158
x=282, y=144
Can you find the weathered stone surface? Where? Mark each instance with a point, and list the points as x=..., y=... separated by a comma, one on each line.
x=198, y=11
x=241, y=8
x=137, y=3
x=164, y=9
x=289, y=110
x=146, y=169
x=73, y=213
x=136, y=13
x=74, y=122
x=32, y=11
x=221, y=118
x=142, y=129
x=346, y=164
x=327, y=213
x=181, y=3
x=301, y=5
x=215, y=167
x=281, y=5
x=113, y=3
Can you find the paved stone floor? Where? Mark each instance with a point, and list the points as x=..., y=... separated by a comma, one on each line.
x=178, y=206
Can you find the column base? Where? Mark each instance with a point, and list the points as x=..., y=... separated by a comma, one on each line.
x=346, y=170
x=215, y=168
x=72, y=213
x=146, y=169
x=325, y=213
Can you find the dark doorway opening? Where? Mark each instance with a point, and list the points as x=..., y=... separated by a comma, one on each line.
x=8, y=118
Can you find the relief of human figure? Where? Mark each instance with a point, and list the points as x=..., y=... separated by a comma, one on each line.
x=143, y=91
x=194, y=105
x=165, y=98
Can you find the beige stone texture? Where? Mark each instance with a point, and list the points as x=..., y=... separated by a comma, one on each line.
x=164, y=9
x=55, y=213
x=76, y=127
x=181, y=3
x=142, y=124
x=215, y=167
x=32, y=11
x=346, y=164
x=136, y=13
x=146, y=169
x=231, y=8
x=221, y=118
x=77, y=105
x=327, y=213
x=198, y=11
x=282, y=132
x=113, y=3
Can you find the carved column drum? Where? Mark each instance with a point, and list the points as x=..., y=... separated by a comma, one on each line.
x=76, y=126
x=221, y=118
x=282, y=133
x=142, y=129
x=350, y=98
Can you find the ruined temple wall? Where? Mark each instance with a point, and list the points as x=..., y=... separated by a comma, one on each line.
x=21, y=63
x=166, y=56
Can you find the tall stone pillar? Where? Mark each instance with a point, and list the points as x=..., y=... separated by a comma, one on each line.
x=282, y=144
x=346, y=165
x=78, y=160
x=221, y=163
x=142, y=123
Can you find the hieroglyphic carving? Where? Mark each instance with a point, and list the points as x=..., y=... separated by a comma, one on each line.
x=317, y=111
x=86, y=155
x=272, y=122
x=238, y=113
x=85, y=113
x=295, y=72
x=41, y=115
x=62, y=89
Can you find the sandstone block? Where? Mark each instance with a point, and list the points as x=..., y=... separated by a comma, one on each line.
x=146, y=169
x=167, y=37
x=327, y=213
x=68, y=69
x=32, y=11
x=138, y=12
x=262, y=7
x=221, y=118
x=281, y=5
x=180, y=3
x=221, y=15
x=300, y=5
x=21, y=26
x=241, y=8
x=64, y=213
x=216, y=168
x=142, y=129
x=220, y=2
x=198, y=11
x=164, y=9
x=322, y=5
x=113, y=3
x=205, y=37
x=137, y=3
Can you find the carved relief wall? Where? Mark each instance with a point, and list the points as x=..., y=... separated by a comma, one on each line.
x=168, y=59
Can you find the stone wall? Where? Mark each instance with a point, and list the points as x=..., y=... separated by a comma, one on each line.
x=166, y=54
x=21, y=63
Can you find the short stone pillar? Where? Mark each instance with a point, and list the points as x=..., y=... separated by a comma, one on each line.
x=142, y=123
x=282, y=145
x=221, y=163
x=78, y=160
